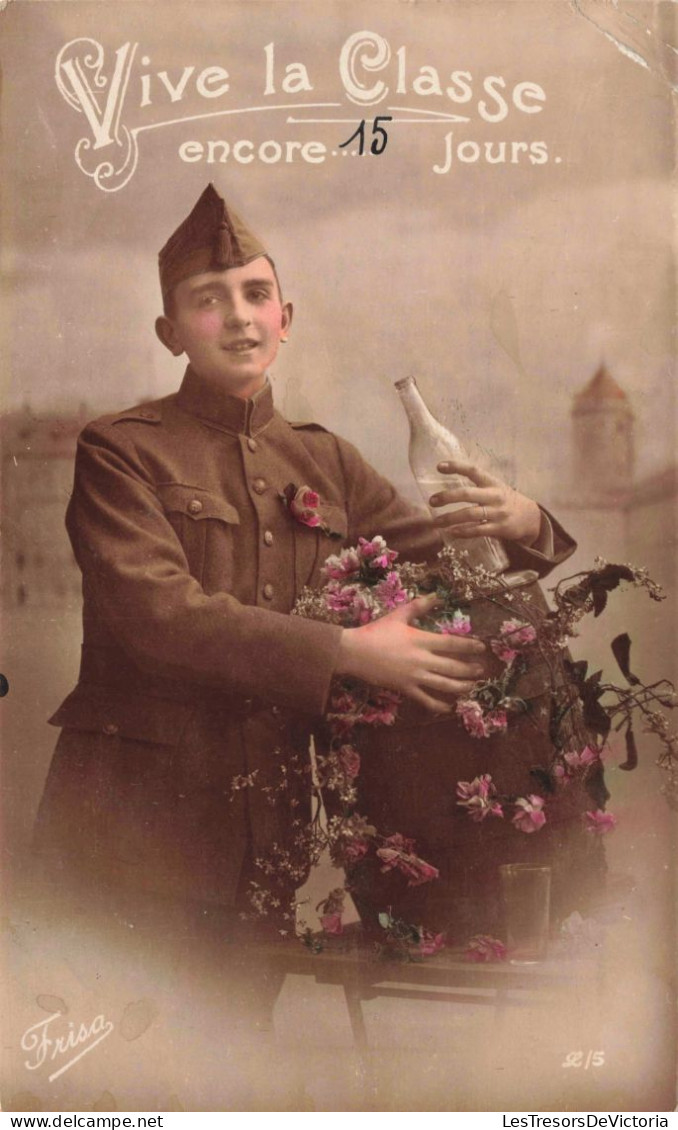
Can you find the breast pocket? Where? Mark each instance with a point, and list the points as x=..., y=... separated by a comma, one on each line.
x=312, y=546
x=206, y=525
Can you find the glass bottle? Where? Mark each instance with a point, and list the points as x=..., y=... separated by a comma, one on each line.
x=430, y=444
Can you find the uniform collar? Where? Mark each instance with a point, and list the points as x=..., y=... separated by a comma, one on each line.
x=241, y=417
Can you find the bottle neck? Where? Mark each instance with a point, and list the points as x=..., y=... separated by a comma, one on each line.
x=412, y=402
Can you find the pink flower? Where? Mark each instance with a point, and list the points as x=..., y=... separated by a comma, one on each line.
x=478, y=723
x=349, y=760
x=471, y=714
x=353, y=839
x=344, y=703
x=332, y=909
x=574, y=762
x=308, y=517
x=352, y=604
x=339, y=598
x=343, y=713
x=304, y=507
x=354, y=850
x=342, y=567
x=431, y=944
x=331, y=923
x=397, y=854
x=459, y=625
x=497, y=720
x=517, y=635
x=308, y=498
x=376, y=552
x=600, y=823
x=426, y=872
x=476, y=797
x=518, y=632
x=581, y=760
x=399, y=842
x=529, y=817
x=482, y=947
x=377, y=716
x=390, y=591
x=382, y=708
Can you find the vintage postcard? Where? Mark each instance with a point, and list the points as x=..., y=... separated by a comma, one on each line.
x=473, y=193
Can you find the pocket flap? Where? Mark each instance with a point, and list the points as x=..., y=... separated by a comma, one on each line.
x=334, y=517
x=197, y=503
x=117, y=714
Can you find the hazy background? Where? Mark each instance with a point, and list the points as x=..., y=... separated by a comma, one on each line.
x=501, y=286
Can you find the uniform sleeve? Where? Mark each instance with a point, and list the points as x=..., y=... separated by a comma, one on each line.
x=137, y=582
x=375, y=507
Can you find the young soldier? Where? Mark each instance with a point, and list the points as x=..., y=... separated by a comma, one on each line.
x=193, y=673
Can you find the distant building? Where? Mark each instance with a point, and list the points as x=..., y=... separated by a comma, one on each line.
x=602, y=442
x=39, y=570
x=614, y=515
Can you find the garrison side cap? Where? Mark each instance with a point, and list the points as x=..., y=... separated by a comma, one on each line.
x=211, y=238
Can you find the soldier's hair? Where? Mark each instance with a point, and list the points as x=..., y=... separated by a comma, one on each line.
x=169, y=308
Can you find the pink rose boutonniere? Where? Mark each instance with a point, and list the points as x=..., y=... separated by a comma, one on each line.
x=303, y=504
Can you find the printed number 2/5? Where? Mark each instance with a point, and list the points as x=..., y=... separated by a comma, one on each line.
x=579, y=1059
x=379, y=136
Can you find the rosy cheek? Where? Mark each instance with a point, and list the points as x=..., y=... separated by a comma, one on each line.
x=274, y=322
x=208, y=323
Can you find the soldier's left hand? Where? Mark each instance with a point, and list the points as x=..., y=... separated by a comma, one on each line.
x=493, y=509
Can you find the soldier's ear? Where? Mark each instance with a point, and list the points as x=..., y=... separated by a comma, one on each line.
x=167, y=334
x=287, y=313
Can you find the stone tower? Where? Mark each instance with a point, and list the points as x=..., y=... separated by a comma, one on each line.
x=602, y=448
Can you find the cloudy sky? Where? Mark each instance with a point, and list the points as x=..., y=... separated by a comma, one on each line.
x=502, y=286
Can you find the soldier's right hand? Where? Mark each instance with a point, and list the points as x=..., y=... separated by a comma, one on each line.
x=430, y=668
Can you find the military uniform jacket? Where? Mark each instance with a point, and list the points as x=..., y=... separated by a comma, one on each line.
x=193, y=673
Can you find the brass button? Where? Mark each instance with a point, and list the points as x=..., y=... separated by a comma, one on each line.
x=195, y=506
x=252, y=444
x=110, y=728
x=268, y=592
x=259, y=486
x=268, y=537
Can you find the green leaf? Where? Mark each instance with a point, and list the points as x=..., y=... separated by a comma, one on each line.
x=596, y=787
x=596, y=717
x=576, y=671
x=605, y=581
x=599, y=594
x=621, y=649
x=631, y=750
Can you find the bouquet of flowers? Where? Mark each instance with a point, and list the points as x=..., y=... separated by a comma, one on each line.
x=365, y=582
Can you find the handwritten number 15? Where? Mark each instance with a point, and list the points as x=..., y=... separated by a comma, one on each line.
x=379, y=136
